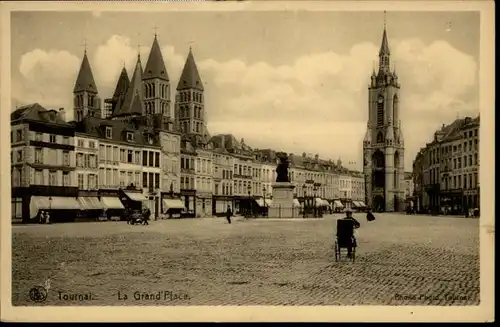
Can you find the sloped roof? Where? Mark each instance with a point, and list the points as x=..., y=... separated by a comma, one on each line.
x=451, y=131
x=132, y=101
x=155, y=67
x=85, y=80
x=190, y=78
x=226, y=141
x=96, y=127
x=36, y=112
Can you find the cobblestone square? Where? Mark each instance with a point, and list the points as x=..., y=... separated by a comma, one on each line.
x=401, y=260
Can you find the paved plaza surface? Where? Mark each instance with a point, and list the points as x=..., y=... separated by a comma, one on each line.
x=409, y=260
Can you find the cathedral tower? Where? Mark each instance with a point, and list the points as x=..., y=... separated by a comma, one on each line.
x=130, y=103
x=189, y=106
x=85, y=94
x=156, y=84
x=383, y=147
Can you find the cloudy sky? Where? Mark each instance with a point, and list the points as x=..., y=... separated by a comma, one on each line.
x=294, y=81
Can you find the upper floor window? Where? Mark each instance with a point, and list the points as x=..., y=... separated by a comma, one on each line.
x=19, y=156
x=39, y=156
x=81, y=143
x=19, y=135
x=53, y=139
x=52, y=178
x=38, y=136
x=157, y=159
x=92, y=144
x=130, y=156
x=130, y=136
x=108, y=132
x=66, y=158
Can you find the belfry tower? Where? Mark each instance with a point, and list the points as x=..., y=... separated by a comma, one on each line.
x=383, y=145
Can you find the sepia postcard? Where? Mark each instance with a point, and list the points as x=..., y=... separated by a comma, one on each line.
x=247, y=161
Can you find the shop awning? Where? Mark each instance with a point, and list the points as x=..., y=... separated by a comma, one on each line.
x=111, y=203
x=296, y=203
x=362, y=203
x=338, y=204
x=90, y=203
x=52, y=203
x=135, y=196
x=321, y=203
x=260, y=202
x=172, y=204
x=355, y=204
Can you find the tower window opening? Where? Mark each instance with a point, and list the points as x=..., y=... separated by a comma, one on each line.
x=380, y=113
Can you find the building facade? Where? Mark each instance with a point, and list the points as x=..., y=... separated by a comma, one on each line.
x=446, y=171
x=383, y=146
x=42, y=162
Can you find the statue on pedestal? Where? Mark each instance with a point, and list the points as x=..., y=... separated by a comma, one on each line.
x=282, y=169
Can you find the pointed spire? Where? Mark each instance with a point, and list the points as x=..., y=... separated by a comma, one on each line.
x=389, y=134
x=132, y=102
x=85, y=80
x=155, y=67
x=190, y=78
x=122, y=85
x=384, y=47
x=368, y=135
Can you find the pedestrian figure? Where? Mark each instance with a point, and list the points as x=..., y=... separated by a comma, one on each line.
x=229, y=213
x=147, y=213
x=47, y=218
x=370, y=216
x=356, y=225
x=41, y=218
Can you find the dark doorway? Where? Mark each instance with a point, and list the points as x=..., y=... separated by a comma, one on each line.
x=396, y=203
x=379, y=203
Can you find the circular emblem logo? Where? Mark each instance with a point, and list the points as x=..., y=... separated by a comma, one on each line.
x=38, y=294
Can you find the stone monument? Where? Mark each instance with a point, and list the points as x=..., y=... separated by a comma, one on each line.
x=282, y=205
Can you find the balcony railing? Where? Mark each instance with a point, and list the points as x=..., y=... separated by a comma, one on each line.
x=242, y=176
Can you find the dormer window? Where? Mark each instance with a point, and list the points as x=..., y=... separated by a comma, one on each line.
x=130, y=136
x=150, y=139
x=109, y=133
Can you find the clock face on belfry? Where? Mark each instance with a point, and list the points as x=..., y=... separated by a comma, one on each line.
x=380, y=99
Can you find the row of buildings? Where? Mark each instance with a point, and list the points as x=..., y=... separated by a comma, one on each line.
x=141, y=149
x=446, y=170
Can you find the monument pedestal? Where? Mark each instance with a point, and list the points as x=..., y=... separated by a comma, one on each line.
x=282, y=206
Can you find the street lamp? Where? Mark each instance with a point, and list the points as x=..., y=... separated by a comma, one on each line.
x=50, y=209
x=249, y=188
x=264, y=195
x=304, y=188
x=315, y=189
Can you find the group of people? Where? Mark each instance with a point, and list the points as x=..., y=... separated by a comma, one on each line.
x=44, y=218
x=142, y=219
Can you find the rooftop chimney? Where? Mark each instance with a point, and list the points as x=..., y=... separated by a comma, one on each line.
x=62, y=114
x=223, y=141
